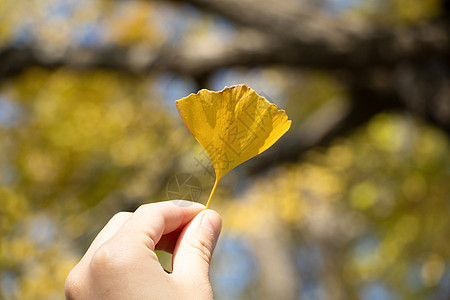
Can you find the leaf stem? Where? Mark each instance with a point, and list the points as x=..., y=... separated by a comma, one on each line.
x=212, y=192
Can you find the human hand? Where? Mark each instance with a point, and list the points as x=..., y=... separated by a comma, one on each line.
x=121, y=262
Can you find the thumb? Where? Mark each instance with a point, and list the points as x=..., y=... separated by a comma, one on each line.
x=195, y=246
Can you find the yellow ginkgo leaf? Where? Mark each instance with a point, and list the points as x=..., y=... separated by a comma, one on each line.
x=232, y=125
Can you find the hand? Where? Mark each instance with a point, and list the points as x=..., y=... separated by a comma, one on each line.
x=121, y=262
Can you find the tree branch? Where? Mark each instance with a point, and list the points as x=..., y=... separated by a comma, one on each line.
x=326, y=46
x=332, y=120
x=313, y=40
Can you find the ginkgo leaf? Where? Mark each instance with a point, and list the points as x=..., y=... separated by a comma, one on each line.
x=232, y=125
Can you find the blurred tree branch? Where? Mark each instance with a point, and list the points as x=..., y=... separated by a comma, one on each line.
x=311, y=40
x=329, y=47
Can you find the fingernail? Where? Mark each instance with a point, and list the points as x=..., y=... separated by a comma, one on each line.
x=207, y=224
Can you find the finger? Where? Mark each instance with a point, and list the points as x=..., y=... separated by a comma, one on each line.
x=151, y=221
x=195, y=247
x=78, y=274
x=110, y=229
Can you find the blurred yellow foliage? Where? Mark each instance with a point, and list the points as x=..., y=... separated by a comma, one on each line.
x=133, y=22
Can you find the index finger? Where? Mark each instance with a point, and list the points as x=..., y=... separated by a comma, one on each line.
x=151, y=221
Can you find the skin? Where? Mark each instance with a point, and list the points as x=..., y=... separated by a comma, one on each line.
x=121, y=262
